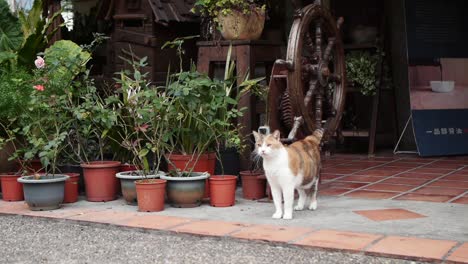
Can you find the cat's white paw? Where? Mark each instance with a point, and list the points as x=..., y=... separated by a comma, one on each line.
x=277, y=215
x=287, y=216
x=299, y=207
x=313, y=205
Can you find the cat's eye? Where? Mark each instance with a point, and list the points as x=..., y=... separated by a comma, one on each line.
x=268, y=145
x=259, y=145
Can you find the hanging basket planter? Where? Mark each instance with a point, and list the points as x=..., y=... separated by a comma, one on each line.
x=239, y=26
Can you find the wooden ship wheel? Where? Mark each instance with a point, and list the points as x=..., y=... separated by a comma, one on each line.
x=307, y=89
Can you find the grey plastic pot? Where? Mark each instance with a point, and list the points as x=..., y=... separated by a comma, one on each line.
x=45, y=193
x=186, y=192
x=127, y=182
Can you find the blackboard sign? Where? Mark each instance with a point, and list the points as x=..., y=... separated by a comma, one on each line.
x=441, y=132
x=436, y=29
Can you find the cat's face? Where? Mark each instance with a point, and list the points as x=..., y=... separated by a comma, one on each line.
x=266, y=146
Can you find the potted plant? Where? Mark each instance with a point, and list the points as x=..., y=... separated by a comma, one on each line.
x=143, y=129
x=236, y=19
x=361, y=71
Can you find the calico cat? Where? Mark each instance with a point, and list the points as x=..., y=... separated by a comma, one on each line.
x=287, y=168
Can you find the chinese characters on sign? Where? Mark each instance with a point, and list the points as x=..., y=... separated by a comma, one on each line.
x=446, y=131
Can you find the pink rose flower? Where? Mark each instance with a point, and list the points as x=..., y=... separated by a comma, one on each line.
x=39, y=62
x=39, y=87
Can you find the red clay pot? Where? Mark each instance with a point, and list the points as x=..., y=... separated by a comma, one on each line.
x=100, y=181
x=206, y=162
x=12, y=190
x=222, y=190
x=127, y=167
x=150, y=194
x=253, y=185
x=71, y=188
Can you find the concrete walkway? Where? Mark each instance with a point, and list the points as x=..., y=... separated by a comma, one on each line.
x=401, y=229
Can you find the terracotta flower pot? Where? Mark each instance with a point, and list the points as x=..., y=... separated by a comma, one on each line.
x=12, y=190
x=71, y=188
x=205, y=163
x=239, y=26
x=127, y=167
x=150, y=194
x=100, y=181
x=222, y=190
x=253, y=185
x=127, y=183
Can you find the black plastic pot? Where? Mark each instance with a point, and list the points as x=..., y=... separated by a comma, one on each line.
x=230, y=162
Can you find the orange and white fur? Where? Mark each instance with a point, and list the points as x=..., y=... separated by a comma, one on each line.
x=289, y=168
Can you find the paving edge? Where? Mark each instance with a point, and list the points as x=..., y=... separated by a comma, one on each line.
x=170, y=230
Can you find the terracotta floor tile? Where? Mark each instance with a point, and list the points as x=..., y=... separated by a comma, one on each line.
x=419, y=248
x=443, y=165
x=439, y=191
x=329, y=176
x=359, y=178
x=456, y=177
x=346, y=185
x=450, y=184
x=376, y=172
x=371, y=194
x=271, y=233
x=393, y=168
x=211, y=228
x=406, y=181
x=405, y=164
x=332, y=191
x=154, y=221
x=106, y=216
x=388, y=187
x=62, y=213
x=419, y=175
x=425, y=198
x=432, y=170
x=338, y=240
x=461, y=200
x=338, y=171
x=389, y=214
x=13, y=207
x=460, y=254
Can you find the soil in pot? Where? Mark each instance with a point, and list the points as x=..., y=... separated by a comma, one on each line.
x=253, y=185
x=100, y=181
x=71, y=188
x=127, y=182
x=45, y=193
x=151, y=194
x=12, y=190
x=186, y=192
x=222, y=190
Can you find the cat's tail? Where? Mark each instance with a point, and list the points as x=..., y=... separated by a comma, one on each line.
x=316, y=137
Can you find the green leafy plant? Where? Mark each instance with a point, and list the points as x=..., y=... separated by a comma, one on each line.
x=361, y=70
x=214, y=8
x=143, y=116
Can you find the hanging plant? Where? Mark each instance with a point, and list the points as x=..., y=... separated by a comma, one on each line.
x=361, y=70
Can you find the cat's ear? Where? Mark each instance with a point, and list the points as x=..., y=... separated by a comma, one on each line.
x=257, y=136
x=276, y=135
